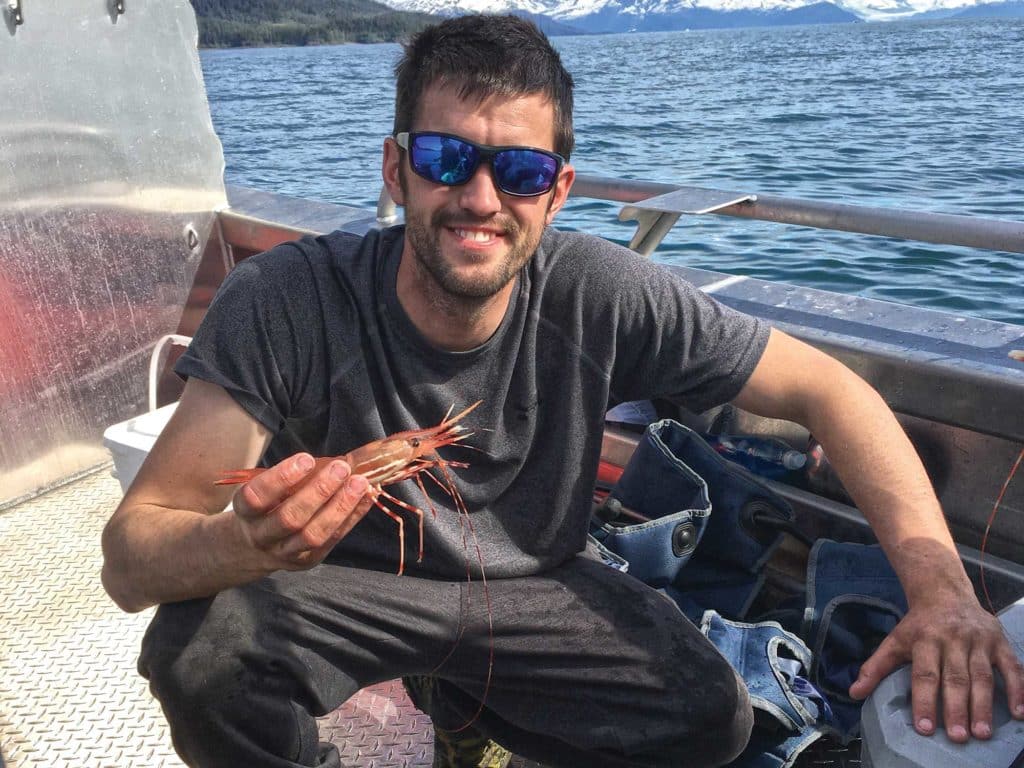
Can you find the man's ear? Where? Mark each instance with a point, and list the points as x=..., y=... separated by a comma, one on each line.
x=389, y=170
x=561, y=193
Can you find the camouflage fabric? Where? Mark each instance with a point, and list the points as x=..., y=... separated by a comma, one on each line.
x=466, y=748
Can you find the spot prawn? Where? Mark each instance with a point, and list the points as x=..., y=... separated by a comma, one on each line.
x=400, y=456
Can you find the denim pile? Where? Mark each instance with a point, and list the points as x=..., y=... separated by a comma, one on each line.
x=710, y=529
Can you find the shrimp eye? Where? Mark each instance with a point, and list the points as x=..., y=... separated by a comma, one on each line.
x=415, y=442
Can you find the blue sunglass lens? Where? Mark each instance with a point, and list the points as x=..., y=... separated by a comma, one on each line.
x=524, y=171
x=444, y=160
x=451, y=161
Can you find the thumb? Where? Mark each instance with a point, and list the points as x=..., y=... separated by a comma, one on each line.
x=881, y=663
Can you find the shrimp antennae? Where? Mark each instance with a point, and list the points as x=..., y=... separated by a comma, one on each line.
x=988, y=527
x=466, y=523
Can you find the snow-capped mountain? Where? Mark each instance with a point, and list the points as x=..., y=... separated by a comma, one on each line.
x=457, y=7
x=622, y=15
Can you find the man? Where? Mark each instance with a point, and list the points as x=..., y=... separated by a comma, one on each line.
x=282, y=607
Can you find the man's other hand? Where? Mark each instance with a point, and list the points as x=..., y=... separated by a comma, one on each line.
x=953, y=646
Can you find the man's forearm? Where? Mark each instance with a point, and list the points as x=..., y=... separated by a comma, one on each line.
x=156, y=555
x=952, y=642
x=883, y=473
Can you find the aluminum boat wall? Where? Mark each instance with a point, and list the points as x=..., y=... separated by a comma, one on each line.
x=110, y=176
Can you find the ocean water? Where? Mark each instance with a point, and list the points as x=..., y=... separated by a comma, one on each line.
x=917, y=115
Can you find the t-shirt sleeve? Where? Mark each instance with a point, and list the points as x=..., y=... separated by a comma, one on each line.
x=250, y=341
x=723, y=348
x=678, y=343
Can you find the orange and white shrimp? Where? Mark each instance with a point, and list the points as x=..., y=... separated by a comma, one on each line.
x=401, y=456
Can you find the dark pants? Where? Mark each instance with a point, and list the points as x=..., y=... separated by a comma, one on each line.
x=590, y=667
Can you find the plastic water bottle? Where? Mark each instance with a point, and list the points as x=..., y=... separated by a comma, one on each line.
x=763, y=456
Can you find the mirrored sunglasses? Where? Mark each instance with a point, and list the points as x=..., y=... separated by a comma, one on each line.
x=450, y=160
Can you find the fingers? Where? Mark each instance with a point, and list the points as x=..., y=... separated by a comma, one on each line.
x=989, y=648
x=268, y=489
x=956, y=690
x=953, y=653
x=981, y=686
x=297, y=510
x=888, y=656
x=1013, y=676
x=335, y=518
x=944, y=667
x=294, y=512
x=926, y=675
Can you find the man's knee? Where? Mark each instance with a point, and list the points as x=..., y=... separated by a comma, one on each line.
x=734, y=721
x=185, y=668
x=720, y=724
x=218, y=691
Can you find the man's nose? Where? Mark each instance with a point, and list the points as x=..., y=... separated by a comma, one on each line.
x=479, y=195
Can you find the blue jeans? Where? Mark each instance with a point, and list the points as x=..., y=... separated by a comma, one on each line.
x=854, y=599
x=789, y=713
x=658, y=483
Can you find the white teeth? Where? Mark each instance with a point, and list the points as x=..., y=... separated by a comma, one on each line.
x=475, y=235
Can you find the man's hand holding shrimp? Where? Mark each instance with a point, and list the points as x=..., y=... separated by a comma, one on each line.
x=185, y=544
x=298, y=510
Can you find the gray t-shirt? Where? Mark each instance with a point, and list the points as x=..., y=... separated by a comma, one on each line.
x=310, y=339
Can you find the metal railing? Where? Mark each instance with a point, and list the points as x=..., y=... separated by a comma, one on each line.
x=657, y=207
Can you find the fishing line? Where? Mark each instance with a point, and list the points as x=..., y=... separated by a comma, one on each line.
x=988, y=527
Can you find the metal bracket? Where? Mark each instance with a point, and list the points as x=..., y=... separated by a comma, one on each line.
x=387, y=211
x=657, y=215
x=652, y=226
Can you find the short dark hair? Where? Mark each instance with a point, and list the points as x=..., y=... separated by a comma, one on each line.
x=481, y=55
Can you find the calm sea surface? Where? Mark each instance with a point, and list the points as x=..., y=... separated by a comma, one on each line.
x=926, y=116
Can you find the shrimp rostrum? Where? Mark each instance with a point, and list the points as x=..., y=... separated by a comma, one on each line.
x=402, y=456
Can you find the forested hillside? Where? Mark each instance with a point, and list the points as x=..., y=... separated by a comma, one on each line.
x=233, y=23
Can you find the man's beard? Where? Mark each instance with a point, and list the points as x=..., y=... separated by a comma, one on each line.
x=426, y=247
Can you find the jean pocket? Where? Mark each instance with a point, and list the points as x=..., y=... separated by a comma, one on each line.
x=656, y=550
x=854, y=599
x=774, y=664
x=657, y=484
x=850, y=630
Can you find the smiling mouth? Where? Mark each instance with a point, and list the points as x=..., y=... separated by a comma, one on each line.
x=475, y=235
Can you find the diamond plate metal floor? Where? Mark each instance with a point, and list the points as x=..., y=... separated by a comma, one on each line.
x=69, y=693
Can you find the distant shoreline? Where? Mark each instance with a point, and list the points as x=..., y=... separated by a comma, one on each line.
x=206, y=45
x=298, y=23
x=292, y=45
